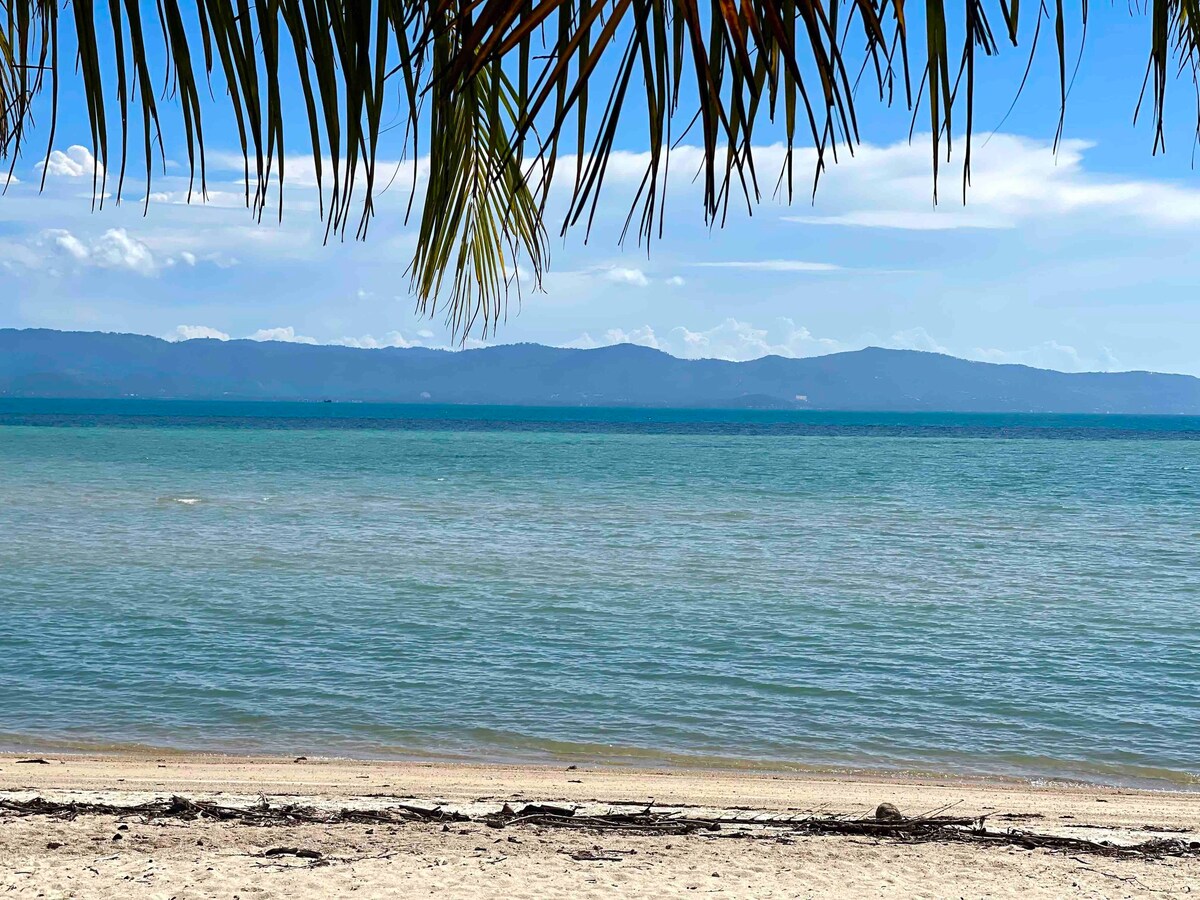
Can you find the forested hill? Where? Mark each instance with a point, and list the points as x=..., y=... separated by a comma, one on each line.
x=44, y=363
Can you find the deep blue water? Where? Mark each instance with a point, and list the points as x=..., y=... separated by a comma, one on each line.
x=990, y=594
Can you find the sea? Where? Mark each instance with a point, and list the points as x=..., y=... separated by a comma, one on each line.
x=996, y=595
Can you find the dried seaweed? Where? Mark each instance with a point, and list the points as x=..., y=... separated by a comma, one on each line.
x=927, y=828
x=260, y=814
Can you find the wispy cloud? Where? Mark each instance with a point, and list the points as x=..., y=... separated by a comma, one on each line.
x=731, y=339
x=195, y=332
x=940, y=219
x=771, y=265
x=287, y=334
x=1052, y=355
x=370, y=342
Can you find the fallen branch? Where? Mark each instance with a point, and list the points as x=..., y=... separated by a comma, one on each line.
x=298, y=852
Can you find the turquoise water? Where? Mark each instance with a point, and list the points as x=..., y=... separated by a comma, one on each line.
x=983, y=594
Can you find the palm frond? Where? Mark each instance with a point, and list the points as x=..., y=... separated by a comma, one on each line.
x=492, y=91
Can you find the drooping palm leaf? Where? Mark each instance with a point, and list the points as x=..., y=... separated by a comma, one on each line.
x=493, y=90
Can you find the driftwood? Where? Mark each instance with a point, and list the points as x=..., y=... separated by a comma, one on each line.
x=919, y=829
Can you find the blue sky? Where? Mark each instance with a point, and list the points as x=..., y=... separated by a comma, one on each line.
x=1080, y=261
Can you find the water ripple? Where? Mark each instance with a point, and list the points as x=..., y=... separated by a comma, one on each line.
x=976, y=605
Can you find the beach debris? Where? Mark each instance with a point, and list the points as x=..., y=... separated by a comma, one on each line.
x=298, y=852
x=300, y=759
x=599, y=854
x=53, y=845
x=644, y=822
x=546, y=809
x=33, y=762
x=887, y=812
x=933, y=826
x=434, y=813
x=260, y=814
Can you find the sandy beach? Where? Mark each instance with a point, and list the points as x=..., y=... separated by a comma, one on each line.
x=135, y=855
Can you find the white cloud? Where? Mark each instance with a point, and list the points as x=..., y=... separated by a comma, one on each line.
x=67, y=242
x=621, y=275
x=193, y=332
x=731, y=339
x=287, y=334
x=76, y=162
x=577, y=280
x=1051, y=355
x=1046, y=355
x=114, y=249
x=1013, y=180
x=15, y=256
x=643, y=336
x=916, y=339
x=771, y=265
x=734, y=339
x=370, y=342
x=584, y=342
x=184, y=197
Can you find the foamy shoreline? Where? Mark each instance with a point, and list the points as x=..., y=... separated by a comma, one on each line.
x=202, y=859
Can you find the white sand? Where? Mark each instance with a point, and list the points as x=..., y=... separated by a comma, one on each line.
x=207, y=859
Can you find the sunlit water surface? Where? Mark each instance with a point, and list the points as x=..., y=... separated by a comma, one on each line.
x=984, y=594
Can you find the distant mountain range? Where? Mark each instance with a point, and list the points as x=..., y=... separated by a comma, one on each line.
x=43, y=363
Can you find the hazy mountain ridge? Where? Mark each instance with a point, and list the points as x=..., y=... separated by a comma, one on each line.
x=45, y=363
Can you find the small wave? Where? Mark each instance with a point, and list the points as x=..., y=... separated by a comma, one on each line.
x=186, y=501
